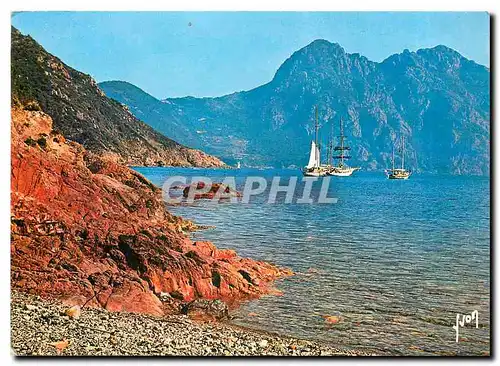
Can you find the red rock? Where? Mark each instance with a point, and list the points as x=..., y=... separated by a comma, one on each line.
x=332, y=319
x=276, y=292
x=90, y=231
x=60, y=346
x=224, y=191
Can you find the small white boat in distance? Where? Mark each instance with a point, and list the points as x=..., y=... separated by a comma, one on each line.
x=398, y=173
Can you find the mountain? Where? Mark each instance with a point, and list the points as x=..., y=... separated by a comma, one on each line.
x=82, y=113
x=436, y=98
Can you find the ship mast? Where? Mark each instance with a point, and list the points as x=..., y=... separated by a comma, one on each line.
x=393, y=157
x=341, y=142
x=342, y=146
x=330, y=146
x=328, y=153
x=316, y=137
x=403, y=156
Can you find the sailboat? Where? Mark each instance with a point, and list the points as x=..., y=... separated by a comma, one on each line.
x=398, y=173
x=341, y=169
x=313, y=167
x=238, y=165
x=329, y=153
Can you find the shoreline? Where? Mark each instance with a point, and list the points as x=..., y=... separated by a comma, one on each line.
x=41, y=328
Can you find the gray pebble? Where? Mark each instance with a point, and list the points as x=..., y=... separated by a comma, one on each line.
x=37, y=326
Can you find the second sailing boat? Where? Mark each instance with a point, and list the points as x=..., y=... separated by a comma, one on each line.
x=341, y=169
x=398, y=173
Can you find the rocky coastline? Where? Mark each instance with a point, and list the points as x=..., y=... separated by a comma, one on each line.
x=100, y=267
x=88, y=230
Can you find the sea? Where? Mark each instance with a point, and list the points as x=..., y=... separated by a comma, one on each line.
x=396, y=261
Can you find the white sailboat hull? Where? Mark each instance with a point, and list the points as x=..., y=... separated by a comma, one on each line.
x=398, y=174
x=403, y=177
x=315, y=172
x=342, y=172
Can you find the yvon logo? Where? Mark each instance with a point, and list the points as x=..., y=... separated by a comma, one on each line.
x=466, y=319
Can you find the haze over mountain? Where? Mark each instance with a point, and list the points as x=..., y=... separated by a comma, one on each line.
x=82, y=112
x=436, y=98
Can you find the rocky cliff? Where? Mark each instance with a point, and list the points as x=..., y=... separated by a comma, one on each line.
x=82, y=112
x=436, y=98
x=88, y=230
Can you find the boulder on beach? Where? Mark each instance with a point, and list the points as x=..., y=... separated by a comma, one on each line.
x=74, y=312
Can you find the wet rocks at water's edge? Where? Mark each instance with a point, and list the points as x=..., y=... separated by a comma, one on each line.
x=41, y=327
x=206, y=309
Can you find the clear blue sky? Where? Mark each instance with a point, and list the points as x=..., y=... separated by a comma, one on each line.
x=215, y=53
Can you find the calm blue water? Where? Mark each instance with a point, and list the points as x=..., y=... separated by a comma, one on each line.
x=397, y=260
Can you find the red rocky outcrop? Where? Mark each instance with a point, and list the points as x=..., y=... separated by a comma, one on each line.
x=88, y=230
x=201, y=191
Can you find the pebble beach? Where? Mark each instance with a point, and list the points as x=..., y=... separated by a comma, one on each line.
x=42, y=328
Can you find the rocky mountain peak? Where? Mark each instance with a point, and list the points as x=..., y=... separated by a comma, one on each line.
x=435, y=97
x=322, y=45
x=313, y=58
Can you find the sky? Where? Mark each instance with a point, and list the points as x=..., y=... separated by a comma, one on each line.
x=175, y=54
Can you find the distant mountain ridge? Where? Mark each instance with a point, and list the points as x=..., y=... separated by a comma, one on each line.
x=82, y=113
x=436, y=98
